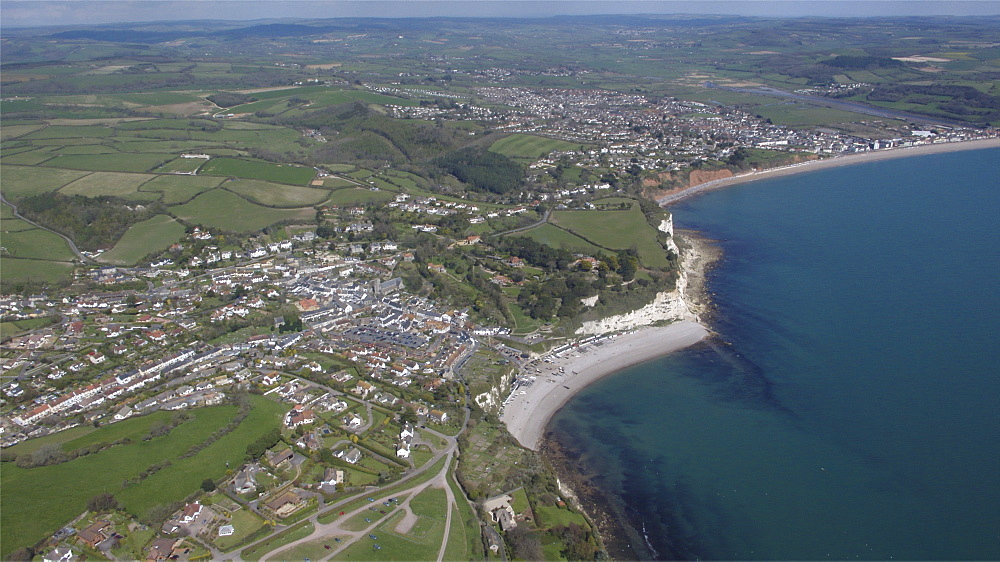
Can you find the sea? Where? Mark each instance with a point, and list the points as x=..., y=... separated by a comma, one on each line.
x=849, y=406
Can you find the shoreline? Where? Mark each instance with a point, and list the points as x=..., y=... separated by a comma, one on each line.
x=557, y=379
x=836, y=161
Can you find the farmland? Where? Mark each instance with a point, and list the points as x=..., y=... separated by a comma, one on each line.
x=109, y=183
x=530, y=146
x=227, y=211
x=259, y=170
x=180, y=189
x=121, y=162
x=150, y=236
x=277, y=195
x=615, y=230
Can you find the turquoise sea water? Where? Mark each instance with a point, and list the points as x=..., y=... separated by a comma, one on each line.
x=851, y=406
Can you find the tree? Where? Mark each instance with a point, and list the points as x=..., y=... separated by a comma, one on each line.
x=103, y=502
x=208, y=485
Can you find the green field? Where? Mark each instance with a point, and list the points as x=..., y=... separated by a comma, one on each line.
x=422, y=542
x=14, y=131
x=615, y=230
x=258, y=170
x=38, y=501
x=244, y=523
x=359, y=196
x=35, y=243
x=21, y=181
x=556, y=237
x=180, y=189
x=34, y=271
x=32, y=157
x=70, y=132
x=293, y=533
x=84, y=435
x=109, y=183
x=123, y=162
x=277, y=195
x=228, y=211
x=181, y=165
x=530, y=146
x=553, y=516
x=152, y=235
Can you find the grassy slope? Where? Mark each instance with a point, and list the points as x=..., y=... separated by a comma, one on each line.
x=37, y=501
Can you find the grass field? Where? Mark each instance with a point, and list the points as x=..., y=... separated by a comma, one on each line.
x=109, y=183
x=180, y=189
x=358, y=196
x=616, y=230
x=530, y=146
x=21, y=181
x=312, y=550
x=556, y=237
x=39, y=500
x=244, y=523
x=70, y=132
x=124, y=162
x=228, y=211
x=277, y=195
x=293, y=533
x=181, y=165
x=151, y=235
x=553, y=516
x=14, y=131
x=35, y=243
x=84, y=435
x=26, y=325
x=32, y=157
x=34, y=271
x=258, y=170
x=421, y=543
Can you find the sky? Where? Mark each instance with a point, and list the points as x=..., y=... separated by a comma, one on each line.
x=16, y=13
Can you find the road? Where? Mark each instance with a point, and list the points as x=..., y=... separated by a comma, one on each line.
x=544, y=220
x=72, y=245
x=335, y=528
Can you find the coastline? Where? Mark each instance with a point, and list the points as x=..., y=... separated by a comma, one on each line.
x=813, y=165
x=528, y=411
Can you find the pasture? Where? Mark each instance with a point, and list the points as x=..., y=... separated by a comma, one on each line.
x=121, y=162
x=227, y=211
x=180, y=189
x=22, y=181
x=38, y=501
x=277, y=195
x=258, y=170
x=183, y=165
x=33, y=271
x=31, y=157
x=359, y=196
x=530, y=146
x=615, y=230
x=35, y=243
x=141, y=239
x=552, y=235
x=109, y=183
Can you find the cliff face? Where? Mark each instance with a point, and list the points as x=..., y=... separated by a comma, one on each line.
x=699, y=177
x=667, y=306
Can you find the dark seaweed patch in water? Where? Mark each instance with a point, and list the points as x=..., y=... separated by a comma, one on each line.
x=742, y=383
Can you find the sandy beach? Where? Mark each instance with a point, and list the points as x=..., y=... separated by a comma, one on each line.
x=814, y=165
x=530, y=407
